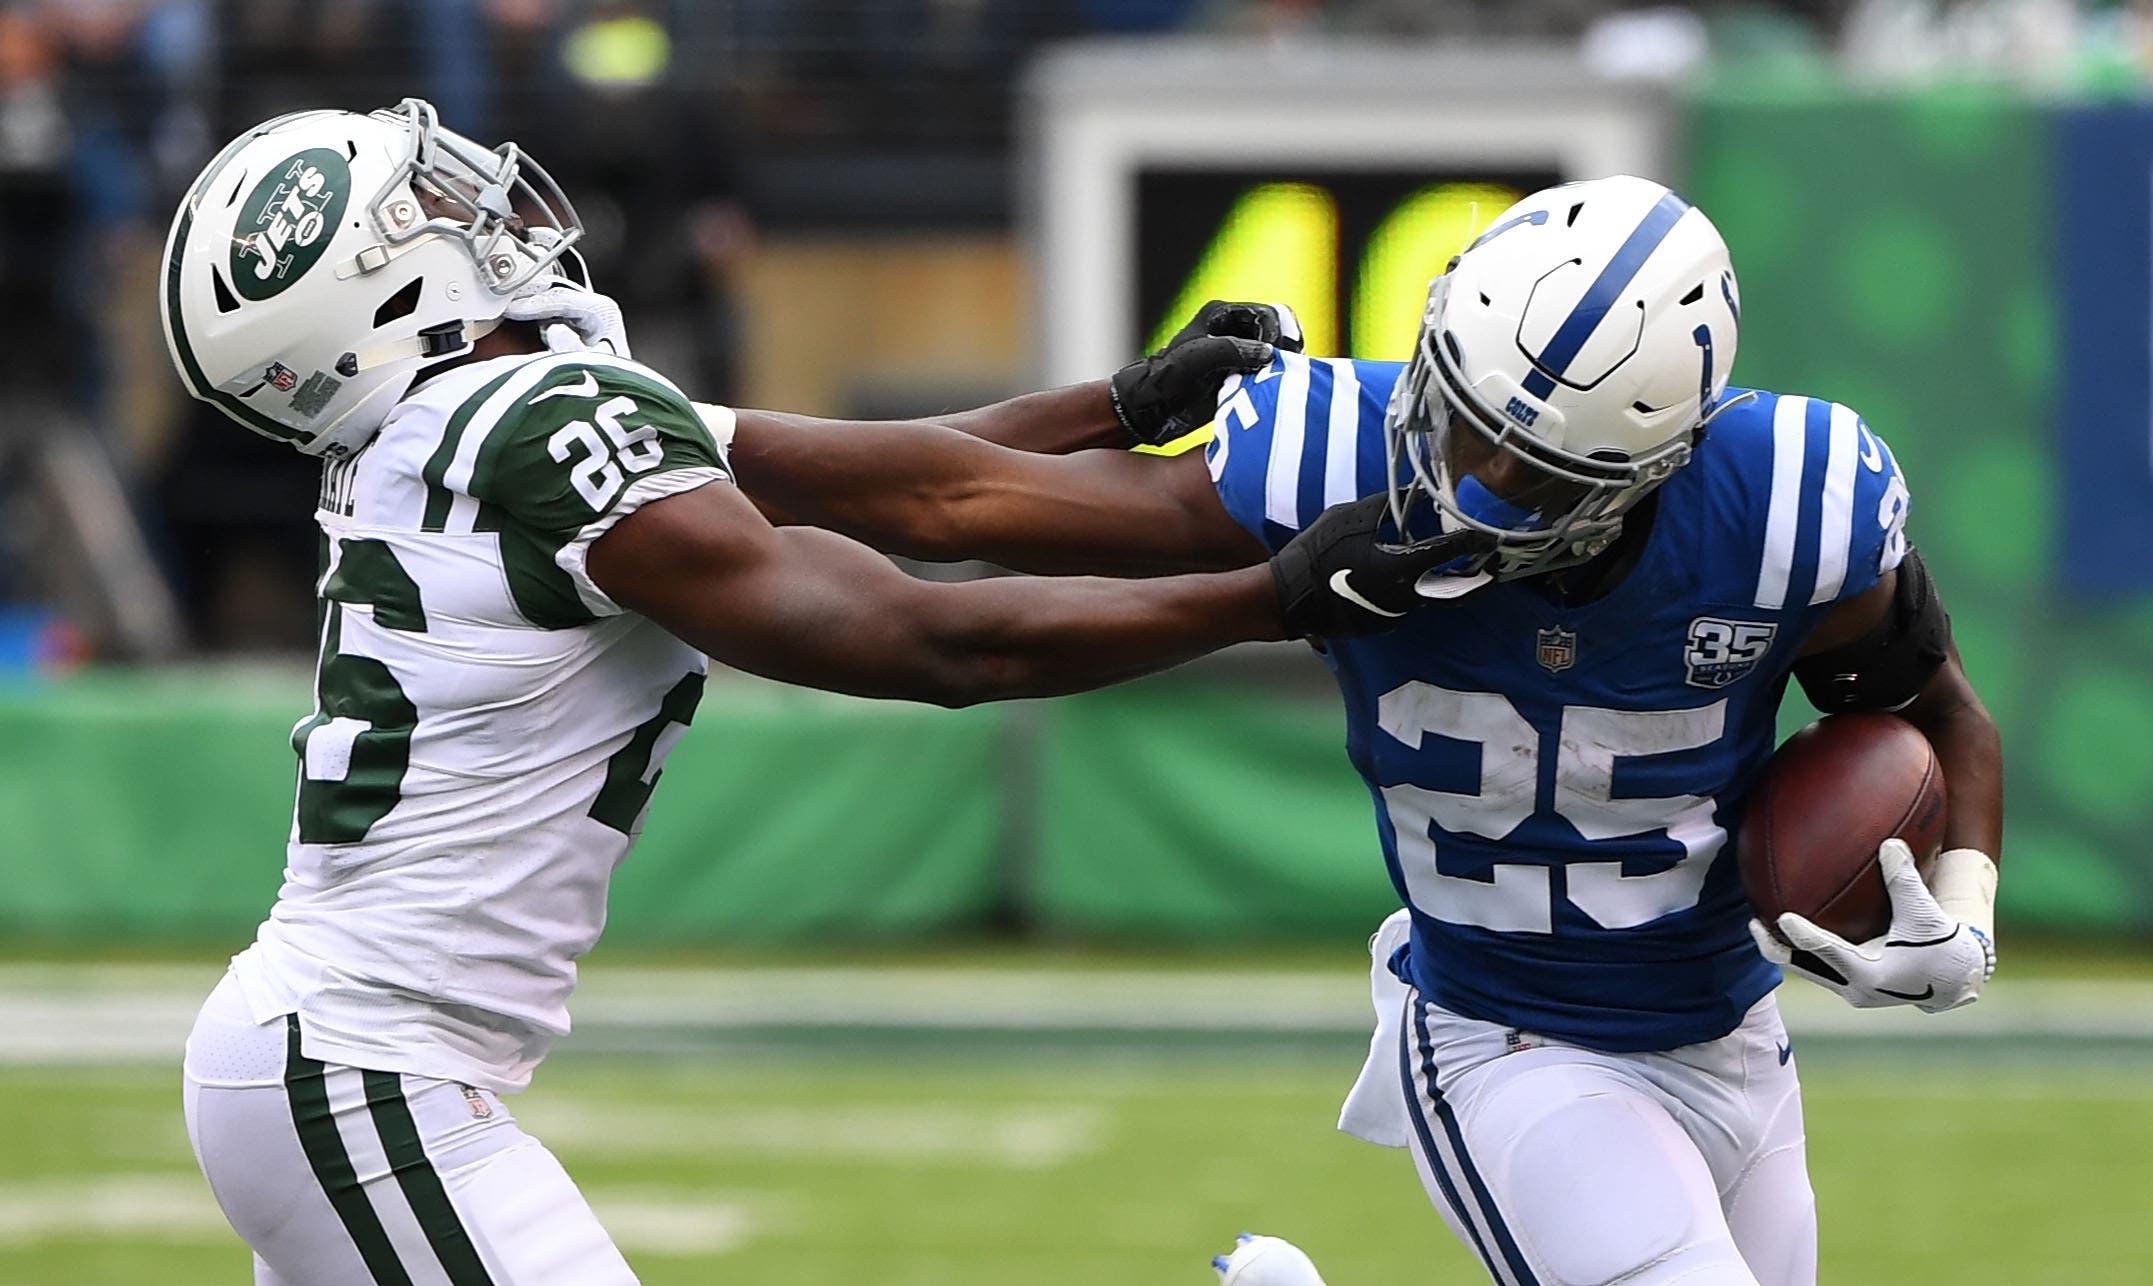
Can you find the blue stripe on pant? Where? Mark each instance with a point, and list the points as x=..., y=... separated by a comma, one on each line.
x=1483, y=1201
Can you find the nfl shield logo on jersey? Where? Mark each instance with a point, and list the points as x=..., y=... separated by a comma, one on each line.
x=1558, y=649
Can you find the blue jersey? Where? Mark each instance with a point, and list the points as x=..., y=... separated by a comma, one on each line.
x=1556, y=784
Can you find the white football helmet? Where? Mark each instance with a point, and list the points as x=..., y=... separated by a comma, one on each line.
x=324, y=258
x=1568, y=362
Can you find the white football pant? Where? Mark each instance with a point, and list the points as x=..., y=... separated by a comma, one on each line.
x=342, y=1177
x=1563, y=1166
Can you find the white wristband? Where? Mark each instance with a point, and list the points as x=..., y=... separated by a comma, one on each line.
x=721, y=422
x=1964, y=882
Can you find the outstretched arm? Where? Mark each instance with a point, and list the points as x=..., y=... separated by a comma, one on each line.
x=806, y=606
x=932, y=492
x=1041, y=483
x=1154, y=400
x=810, y=607
x=1060, y=421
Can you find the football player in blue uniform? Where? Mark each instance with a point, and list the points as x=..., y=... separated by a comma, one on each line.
x=1577, y=1037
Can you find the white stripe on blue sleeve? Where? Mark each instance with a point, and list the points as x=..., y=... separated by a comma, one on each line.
x=1836, y=540
x=1789, y=433
x=1233, y=401
x=1282, y=475
x=1341, y=450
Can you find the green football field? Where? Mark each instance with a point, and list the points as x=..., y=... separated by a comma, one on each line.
x=1125, y=1172
x=744, y=1125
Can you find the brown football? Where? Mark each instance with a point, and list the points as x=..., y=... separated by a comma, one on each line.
x=1824, y=804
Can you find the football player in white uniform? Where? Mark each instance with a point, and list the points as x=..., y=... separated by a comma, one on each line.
x=530, y=543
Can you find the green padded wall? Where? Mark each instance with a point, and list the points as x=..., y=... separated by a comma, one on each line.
x=157, y=807
x=1896, y=255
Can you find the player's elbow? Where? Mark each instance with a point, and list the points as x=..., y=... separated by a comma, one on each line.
x=1951, y=713
x=973, y=659
x=973, y=677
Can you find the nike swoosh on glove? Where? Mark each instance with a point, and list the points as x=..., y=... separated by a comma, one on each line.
x=1926, y=958
x=593, y=319
x=1340, y=577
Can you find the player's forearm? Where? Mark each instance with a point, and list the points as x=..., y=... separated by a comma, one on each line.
x=1021, y=637
x=1077, y=417
x=926, y=491
x=896, y=487
x=1970, y=750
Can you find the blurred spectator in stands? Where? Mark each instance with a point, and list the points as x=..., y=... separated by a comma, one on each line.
x=285, y=55
x=35, y=213
x=642, y=145
x=133, y=69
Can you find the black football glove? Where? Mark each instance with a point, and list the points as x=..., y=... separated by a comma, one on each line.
x=1176, y=389
x=1341, y=577
x=1266, y=323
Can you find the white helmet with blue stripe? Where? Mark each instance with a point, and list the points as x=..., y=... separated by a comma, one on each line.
x=1567, y=364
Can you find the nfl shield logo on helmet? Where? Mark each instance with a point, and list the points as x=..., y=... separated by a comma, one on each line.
x=1558, y=649
x=282, y=378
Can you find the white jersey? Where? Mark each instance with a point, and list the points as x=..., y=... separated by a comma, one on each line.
x=488, y=724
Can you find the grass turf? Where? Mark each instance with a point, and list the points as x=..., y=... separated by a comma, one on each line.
x=927, y=1170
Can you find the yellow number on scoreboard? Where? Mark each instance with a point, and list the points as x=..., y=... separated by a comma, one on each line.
x=1280, y=241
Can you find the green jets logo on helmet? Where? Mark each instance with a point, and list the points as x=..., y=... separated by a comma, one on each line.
x=288, y=221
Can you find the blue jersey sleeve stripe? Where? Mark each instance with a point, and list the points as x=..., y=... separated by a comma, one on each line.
x=1220, y=446
x=1783, y=517
x=1315, y=444
x=1894, y=552
x=1282, y=472
x=1835, y=543
x=1342, y=440
x=1377, y=382
x=1816, y=424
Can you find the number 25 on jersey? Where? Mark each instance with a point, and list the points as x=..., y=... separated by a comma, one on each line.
x=1519, y=897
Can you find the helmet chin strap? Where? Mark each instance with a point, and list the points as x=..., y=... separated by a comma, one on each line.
x=436, y=343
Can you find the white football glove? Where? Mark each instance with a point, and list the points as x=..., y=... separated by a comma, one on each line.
x=1932, y=957
x=579, y=317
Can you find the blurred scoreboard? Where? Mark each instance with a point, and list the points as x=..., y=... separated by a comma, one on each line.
x=1352, y=250
x=1337, y=177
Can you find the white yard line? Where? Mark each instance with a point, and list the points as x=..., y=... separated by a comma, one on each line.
x=667, y=1223
x=99, y=1013
x=178, y=1208
x=1024, y=1138
x=151, y=1206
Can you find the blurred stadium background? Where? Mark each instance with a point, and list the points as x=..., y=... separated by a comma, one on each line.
x=1058, y=992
